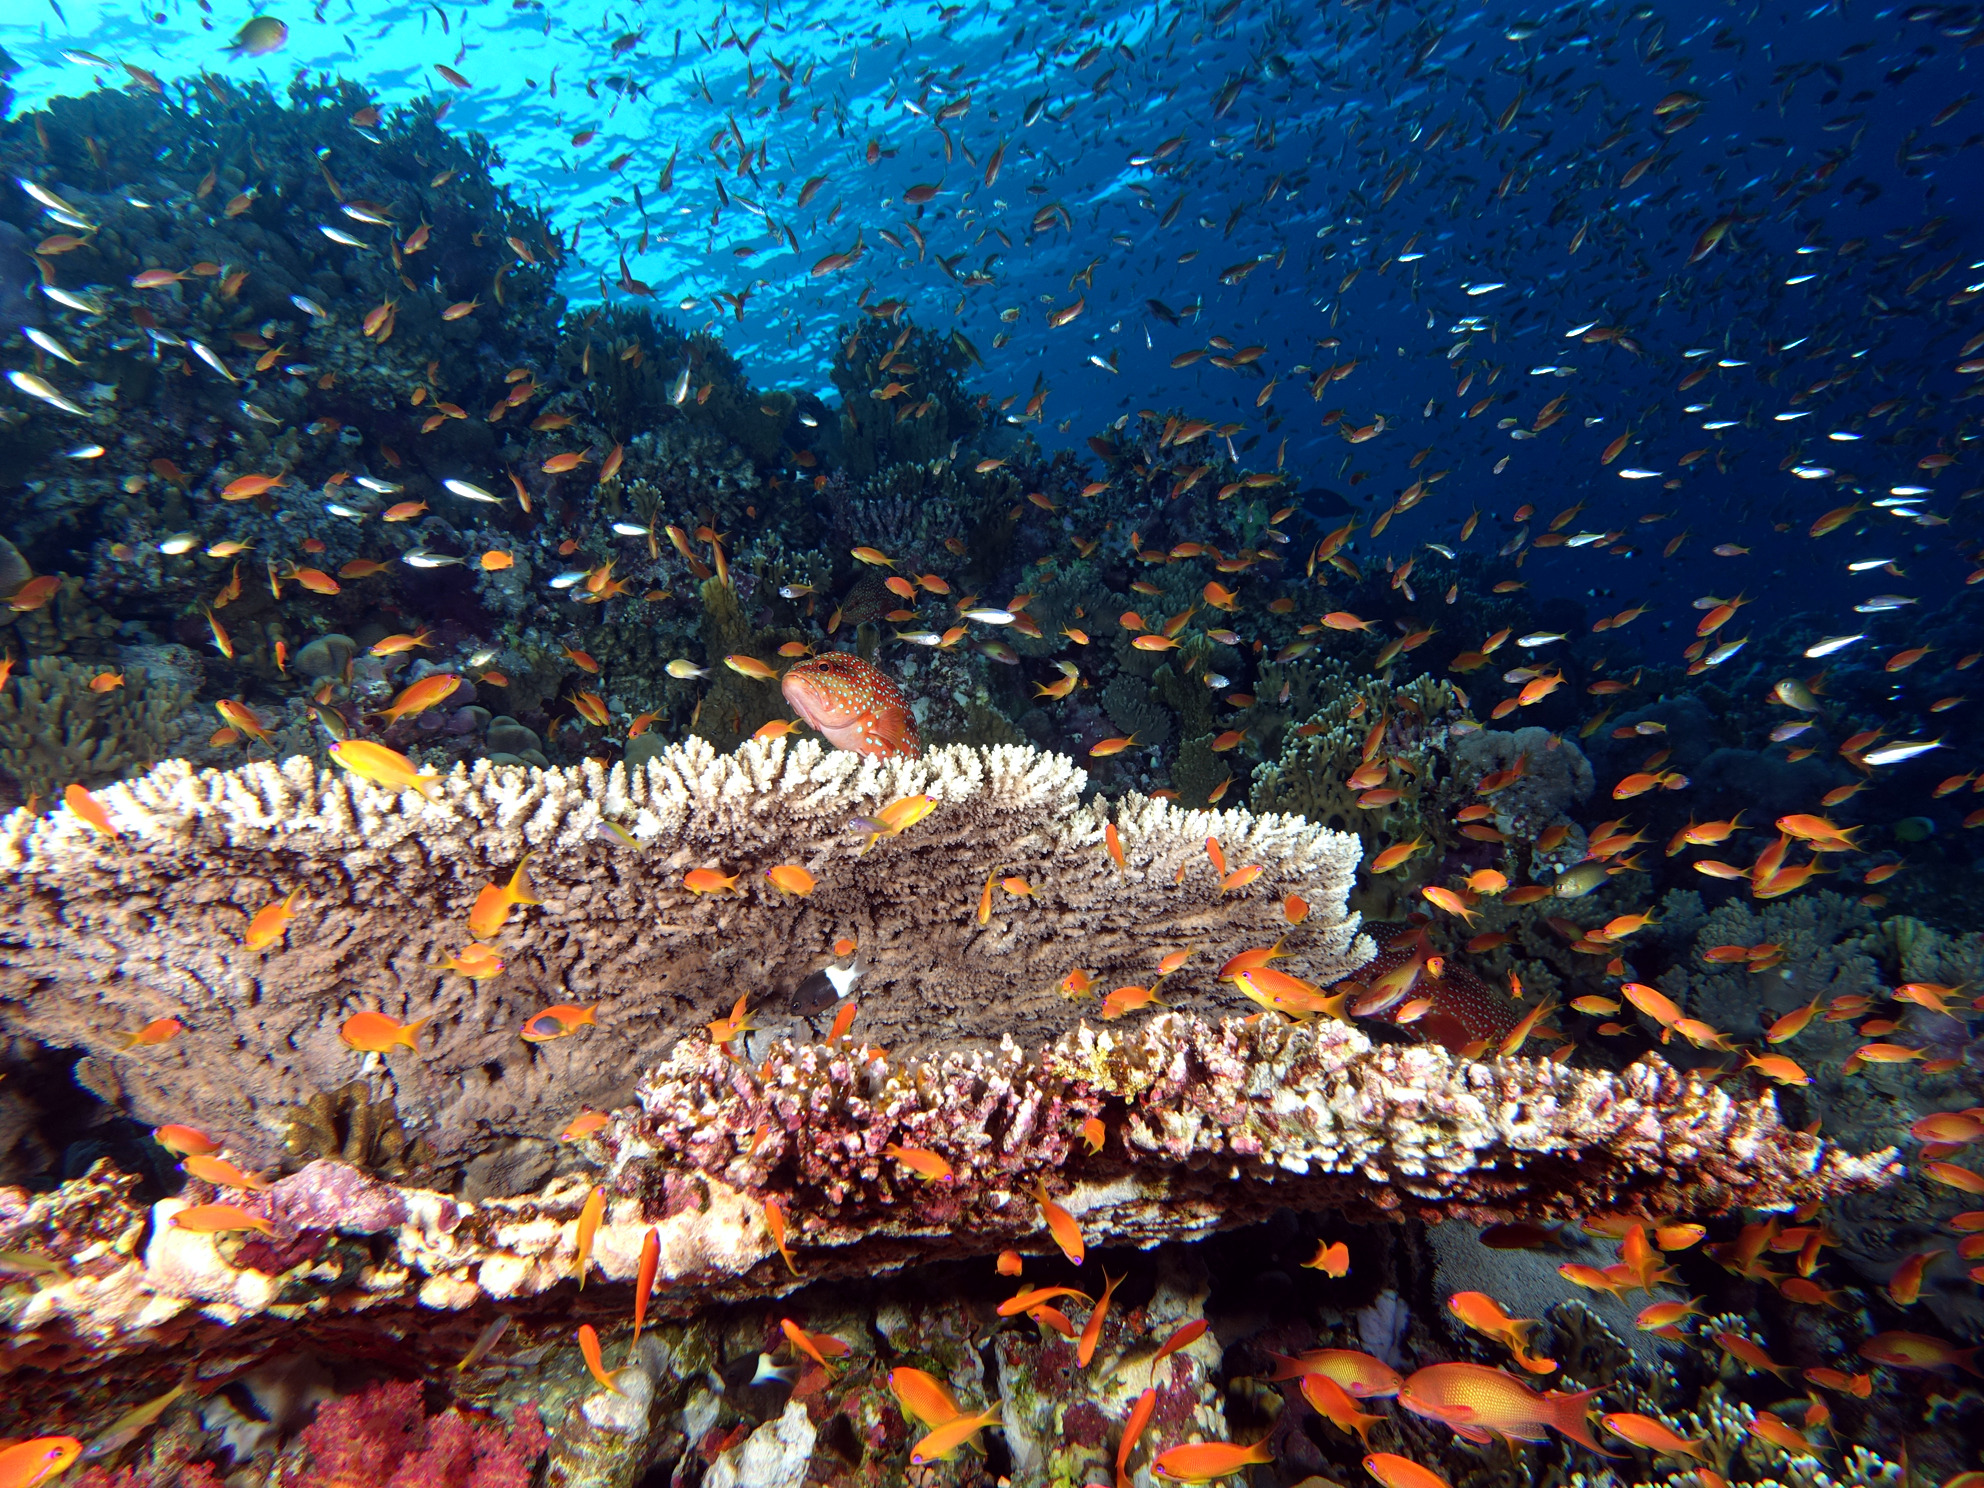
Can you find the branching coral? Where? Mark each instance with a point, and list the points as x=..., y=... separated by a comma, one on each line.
x=1311, y=775
x=56, y=730
x=102, y=937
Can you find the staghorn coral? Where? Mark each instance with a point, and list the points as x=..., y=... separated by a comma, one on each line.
x=1210, y=1126
x=103, y=936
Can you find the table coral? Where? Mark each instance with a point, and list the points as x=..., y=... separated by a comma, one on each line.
x=105, y=936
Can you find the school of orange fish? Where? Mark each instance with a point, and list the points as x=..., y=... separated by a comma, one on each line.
x=1409, y=175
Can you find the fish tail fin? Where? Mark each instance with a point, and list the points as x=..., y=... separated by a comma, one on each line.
x=410, y=1035
x=519, y=890
x=1567, y=1413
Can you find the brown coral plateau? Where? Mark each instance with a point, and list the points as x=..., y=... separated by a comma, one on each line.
x=1203, y=1126
x=99, y=937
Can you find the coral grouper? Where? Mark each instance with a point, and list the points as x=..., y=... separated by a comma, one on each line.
x=853, y=704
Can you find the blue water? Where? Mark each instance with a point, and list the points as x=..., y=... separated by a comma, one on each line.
x=1331, y=185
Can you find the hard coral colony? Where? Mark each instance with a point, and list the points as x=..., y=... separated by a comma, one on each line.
x=860, y=931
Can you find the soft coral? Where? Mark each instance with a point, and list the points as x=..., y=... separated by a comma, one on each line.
x=384, y=1436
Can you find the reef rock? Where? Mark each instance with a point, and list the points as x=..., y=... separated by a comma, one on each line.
x=1201, y=1127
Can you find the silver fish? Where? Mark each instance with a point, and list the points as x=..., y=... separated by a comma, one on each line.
x=259, y=414
x=679, y=393
x=470, y=492
x=339, y=235
x=179, y=542
x=43, y=195
x=310, y=308
x=920, y=637
x=630, y=529
x=86, y=304
x=383, y=487
x=422, y=558
x=686, y=670
x=207, y=356
x=86, y=452
x=1894, y=754
x=49, y=344
x=568, y=578
x=1831, y=644
x=35, y=387
x=1882, y=602
x=990, y=616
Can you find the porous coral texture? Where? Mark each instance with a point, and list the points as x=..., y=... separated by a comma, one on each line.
x=1205, y=1126
x=101, y=937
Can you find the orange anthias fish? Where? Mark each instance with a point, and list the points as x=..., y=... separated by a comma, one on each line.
x=1336, y=1405
x=923, y=1163
x=271, y=923
x=1092, y=1331
x=1644, y=1431
x=1202, y=1462
x=494, y=903
x=1480, y=1403
x=375, y=1033
x=1485, y=1316
x=944, y=1442
x=819, y=1347
x=219, y=1219
x=383, y=766
x=557, y=1022
x=220, y=1173
x=1060, y=1224
x=39, y=1460
x=421, y=696
x=89, y=809
x=1917, y=1351
x=853, y=705
x=1395, y=1471
x=923, y=1398
x=1365, y=1376
x=185, y=1140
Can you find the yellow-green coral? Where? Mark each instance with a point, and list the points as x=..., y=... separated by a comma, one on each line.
x=55, y=731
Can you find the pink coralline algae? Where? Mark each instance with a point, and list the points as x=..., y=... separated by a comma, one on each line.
x=383, y=1439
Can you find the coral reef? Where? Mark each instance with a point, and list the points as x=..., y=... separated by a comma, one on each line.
x=103, y=937
x=1205, y=1127
x=1409, y=730
x=384, y=1436
x=56, y=729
